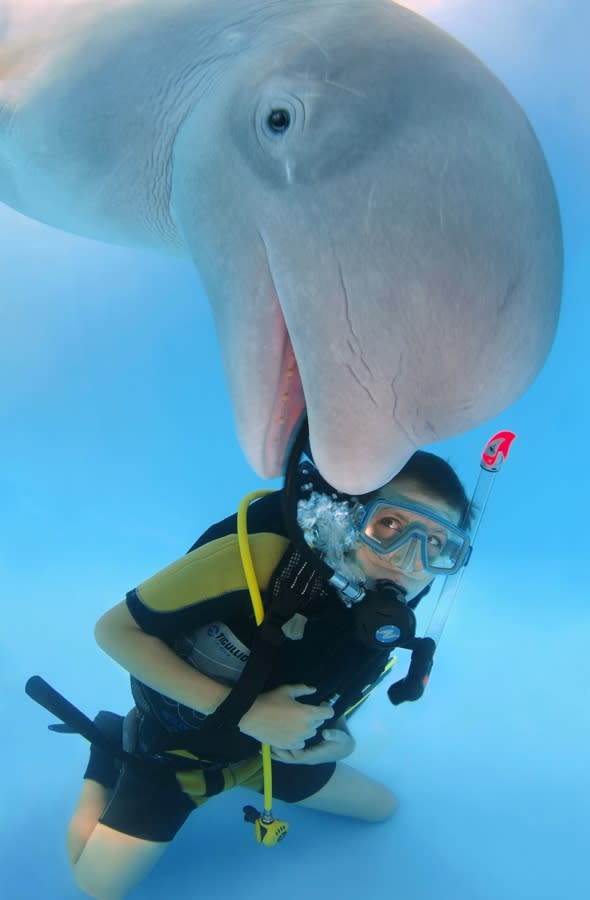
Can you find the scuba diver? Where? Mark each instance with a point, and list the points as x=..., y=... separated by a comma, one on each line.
x=212, y=679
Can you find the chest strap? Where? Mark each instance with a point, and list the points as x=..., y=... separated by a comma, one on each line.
x=294, y=585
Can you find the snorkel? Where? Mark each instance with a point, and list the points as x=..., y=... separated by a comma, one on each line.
x=412, y=686
x=492, y=458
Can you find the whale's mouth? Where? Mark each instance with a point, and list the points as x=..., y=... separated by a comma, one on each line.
x=288, y=407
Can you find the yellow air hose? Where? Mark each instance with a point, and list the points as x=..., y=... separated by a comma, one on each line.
x=269, y=831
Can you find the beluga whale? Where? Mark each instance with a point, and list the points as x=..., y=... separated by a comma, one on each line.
x=368, y=208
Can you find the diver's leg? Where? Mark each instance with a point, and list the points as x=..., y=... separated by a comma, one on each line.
x=91, y=803
x=350, y=793
x=106, y=863
x=142, y=816
x=112, y=864
x=100, y=778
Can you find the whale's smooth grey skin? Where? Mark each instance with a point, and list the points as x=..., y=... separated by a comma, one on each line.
x=368, y=208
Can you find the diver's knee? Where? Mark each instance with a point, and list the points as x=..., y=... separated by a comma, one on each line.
x=95, y=887
x=383, y=807
x=86, y=884
x=95, y=880
x=114, y=863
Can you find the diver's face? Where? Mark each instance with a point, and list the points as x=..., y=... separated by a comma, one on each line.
x=382, y=566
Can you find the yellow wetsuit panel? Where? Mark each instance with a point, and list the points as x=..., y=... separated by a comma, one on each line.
x=211, y=570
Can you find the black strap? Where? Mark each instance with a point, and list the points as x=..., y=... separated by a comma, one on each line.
x=412, y=686
x=294, y=585
x=77, y=723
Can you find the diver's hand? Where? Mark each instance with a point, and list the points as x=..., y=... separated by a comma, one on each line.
x=334, y=746
x=277, y=718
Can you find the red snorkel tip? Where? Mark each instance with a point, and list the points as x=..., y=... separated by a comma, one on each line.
x=496, y=450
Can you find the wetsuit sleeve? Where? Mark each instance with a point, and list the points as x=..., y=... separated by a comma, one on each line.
x=206, y=585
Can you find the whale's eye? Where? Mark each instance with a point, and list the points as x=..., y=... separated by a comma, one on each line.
x=279, y=120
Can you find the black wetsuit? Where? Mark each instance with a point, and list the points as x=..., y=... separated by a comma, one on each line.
x=207, y=586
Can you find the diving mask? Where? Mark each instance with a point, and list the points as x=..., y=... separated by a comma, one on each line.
x=409, y=532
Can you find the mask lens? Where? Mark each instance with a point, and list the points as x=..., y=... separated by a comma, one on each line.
x=388, y=527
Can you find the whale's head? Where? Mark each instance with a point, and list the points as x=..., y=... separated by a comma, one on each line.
x=376, y=227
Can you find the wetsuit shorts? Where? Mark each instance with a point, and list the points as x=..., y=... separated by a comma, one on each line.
x=154, y=808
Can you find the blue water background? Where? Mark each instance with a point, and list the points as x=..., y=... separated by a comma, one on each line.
x=117, y=448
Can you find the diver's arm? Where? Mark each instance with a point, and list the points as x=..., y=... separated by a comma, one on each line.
x=151, y=661
x=337, y=743
x=274, y=718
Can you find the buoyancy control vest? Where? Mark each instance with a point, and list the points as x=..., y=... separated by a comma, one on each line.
x=307, y=636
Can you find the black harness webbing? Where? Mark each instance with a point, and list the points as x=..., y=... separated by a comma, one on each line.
x=294, y=585
x=76, y=722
